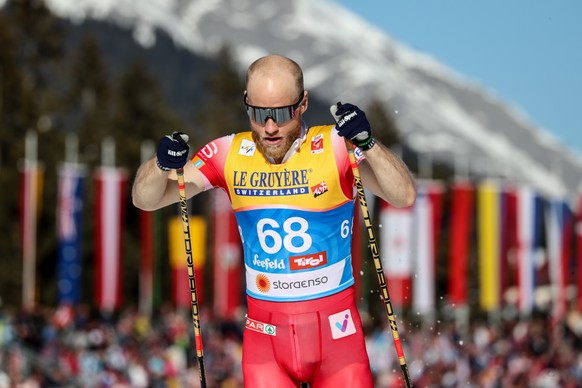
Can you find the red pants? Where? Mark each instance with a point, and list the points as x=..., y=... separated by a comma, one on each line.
x=317, y=341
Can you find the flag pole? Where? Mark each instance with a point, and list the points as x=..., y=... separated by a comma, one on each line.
x=29, y=212
x=72, y=148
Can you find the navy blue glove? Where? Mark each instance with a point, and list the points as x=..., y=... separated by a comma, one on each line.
x=173, y=151
x=353, y=124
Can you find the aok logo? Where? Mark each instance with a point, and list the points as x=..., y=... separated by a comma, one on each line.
x=306, y=262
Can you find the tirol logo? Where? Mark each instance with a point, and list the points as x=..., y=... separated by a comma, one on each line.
x=317, y=144
x=263, y=283
x=306, y=262
x=319, y=189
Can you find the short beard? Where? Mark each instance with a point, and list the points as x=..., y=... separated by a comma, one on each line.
x=277, y=153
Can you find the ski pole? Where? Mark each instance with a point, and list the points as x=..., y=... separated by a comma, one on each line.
x=377, y=261
x=191, y=278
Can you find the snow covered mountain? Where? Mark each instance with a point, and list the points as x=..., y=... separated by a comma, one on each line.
x=440, y=113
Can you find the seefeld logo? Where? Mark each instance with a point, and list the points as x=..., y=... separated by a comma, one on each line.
x=268, y=263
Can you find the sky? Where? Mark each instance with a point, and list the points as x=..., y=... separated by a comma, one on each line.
x=527, y=52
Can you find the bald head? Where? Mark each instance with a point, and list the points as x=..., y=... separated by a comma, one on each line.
x=274, y=77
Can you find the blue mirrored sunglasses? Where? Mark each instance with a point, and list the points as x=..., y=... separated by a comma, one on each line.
x=280, y=115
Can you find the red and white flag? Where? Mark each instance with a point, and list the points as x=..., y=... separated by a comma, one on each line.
x=396, y=251
x=227, y=257
x=111, y=189
x=427, y=217
x=461, y=229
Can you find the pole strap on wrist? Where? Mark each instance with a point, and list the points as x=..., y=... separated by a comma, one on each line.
x=366, y=144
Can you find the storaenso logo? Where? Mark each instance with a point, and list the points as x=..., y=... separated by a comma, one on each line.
x=270, y=180
x=347, y=118
x=299, y=284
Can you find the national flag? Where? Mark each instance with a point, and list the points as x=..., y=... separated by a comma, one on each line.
x=436, y=194
x=396, y=251
x=460, y=230
x=31, y=178
x=427, y=212
x=509, y=271
x=558, y=220
x=578, y=237
x=489, y=218
x=69, y=232
x=227, y=257
x=111, y=189
x=568, y=260
x=181, y=293
x=529, y=222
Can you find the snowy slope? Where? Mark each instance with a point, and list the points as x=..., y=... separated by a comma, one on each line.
x=439, y=112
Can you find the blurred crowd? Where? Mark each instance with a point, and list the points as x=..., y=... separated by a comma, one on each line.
x=512, y=353
x=79, y=347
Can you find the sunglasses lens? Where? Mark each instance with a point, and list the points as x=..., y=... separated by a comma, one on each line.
x=279, y=115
